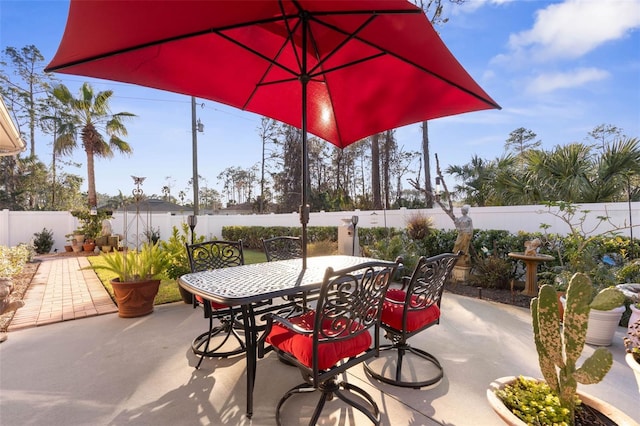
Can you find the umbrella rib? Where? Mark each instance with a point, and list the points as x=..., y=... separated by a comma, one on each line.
x=217, y=31
x=349, y=37
x=383, y=51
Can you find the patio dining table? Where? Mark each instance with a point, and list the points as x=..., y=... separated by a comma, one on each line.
x=248, y=285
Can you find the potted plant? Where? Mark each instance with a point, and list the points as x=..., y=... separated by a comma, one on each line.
x=43, y=241
x=519, y=401
x=632, y=346
x=78, y=237
x=606, y=310
x=138, y=276
x=69, y=246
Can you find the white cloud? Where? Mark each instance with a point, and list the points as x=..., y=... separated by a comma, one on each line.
x=545, y=83
x=473, y=5
x=571, y=29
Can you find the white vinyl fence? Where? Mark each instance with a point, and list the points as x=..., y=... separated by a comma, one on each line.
x=19, y=226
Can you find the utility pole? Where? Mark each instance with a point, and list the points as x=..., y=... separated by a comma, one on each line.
x=195, y=128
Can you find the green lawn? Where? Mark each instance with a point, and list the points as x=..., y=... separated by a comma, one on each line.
x=168, y=291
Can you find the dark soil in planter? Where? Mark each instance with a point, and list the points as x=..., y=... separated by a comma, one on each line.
x=588, y=416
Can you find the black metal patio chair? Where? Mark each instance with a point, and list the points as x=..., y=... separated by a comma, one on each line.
x=215, y=341
x=406, y=312
x=326, y=341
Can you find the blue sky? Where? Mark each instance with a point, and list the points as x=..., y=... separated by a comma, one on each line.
x=558, y=68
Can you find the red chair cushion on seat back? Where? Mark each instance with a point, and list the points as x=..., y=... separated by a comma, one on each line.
x=301, y=346
x=393, y=309
x=214, y=305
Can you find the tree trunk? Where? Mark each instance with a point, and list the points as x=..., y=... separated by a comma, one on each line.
x=375, y=171
x=386, y=168
x=427, y=167
x=91, y=180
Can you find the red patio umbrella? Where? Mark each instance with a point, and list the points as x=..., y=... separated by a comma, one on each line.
x=339, y=69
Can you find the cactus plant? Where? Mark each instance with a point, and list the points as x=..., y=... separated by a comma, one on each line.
x=559, y=349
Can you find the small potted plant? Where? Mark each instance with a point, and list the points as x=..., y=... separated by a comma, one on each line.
x=138, y=277
x=554, y=400
x=43, y=241
x=632, y=346
x=606, y=310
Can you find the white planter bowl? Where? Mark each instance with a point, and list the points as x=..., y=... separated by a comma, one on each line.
x=635, y=367
x=635, y=315
x=510, y=419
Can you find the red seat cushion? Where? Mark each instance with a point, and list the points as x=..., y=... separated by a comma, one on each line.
x=214, y=305
x=301, y=346
x=393, y=309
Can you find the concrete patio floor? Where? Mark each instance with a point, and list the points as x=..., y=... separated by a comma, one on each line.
x=106, y=370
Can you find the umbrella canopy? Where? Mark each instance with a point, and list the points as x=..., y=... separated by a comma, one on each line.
x=339, y=69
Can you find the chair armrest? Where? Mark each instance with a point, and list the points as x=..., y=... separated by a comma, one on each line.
x=291, y=326
x=270, y=318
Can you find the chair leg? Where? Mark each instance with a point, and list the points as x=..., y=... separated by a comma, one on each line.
x=327, y=391
x=401, y=349
x=224, y=331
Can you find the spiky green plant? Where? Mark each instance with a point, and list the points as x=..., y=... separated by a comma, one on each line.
x=150, y=262
x=559, y=348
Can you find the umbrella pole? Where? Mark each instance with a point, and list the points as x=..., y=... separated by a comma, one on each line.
x=304, y=207
x=304, y=80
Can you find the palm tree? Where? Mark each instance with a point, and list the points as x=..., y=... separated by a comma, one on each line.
x=90, y=115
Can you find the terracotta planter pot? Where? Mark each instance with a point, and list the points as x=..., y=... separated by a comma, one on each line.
x=89, y=247
x=186, y=296
x=135, y=298
x=634, y=366
x=68, y=249
x=509, y=418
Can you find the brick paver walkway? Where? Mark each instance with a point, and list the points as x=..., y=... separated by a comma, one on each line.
x=62, y=291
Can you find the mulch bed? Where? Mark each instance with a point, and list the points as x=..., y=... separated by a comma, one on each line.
x=507, y=297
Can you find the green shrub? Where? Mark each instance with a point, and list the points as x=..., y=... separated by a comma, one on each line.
x=492, y=272
x=175, y=247
x=629, y=273
x=398, y=245
x=43, y=241
x=322, y=248
x=13, y=259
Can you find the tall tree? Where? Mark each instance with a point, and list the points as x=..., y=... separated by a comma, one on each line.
x=90, y=115
x=267, y=132
x=603, y=133
x=26, y=92
x=521, y=140
x=375, y=171
x=434, y=9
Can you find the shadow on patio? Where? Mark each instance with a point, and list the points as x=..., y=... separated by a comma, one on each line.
x=106, y=370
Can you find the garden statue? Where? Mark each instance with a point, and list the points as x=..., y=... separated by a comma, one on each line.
x=531, y=247
x=107, y=227
x=464, y=225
